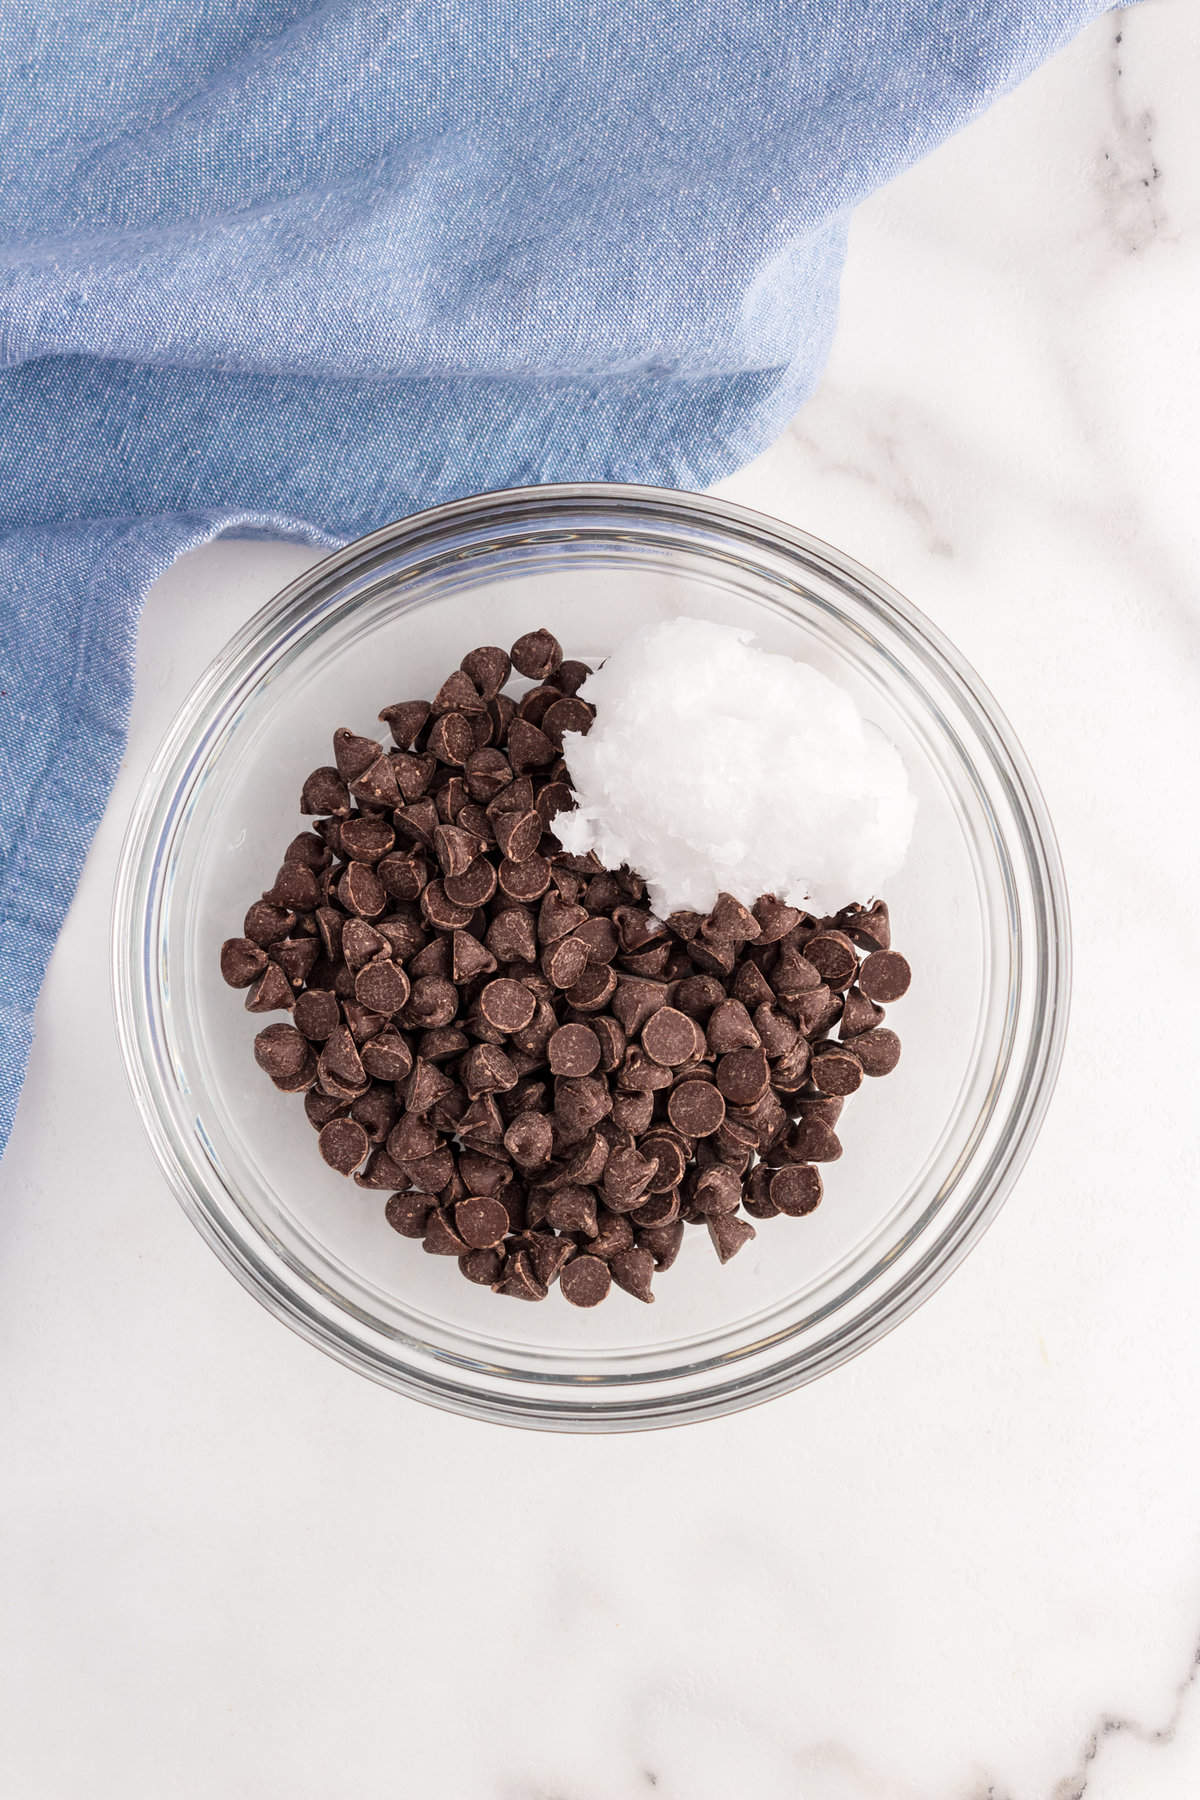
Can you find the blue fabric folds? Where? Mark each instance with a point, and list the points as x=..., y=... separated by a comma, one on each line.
x=272, y=265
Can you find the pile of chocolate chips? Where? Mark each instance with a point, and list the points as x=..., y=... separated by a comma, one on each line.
x=550, y=1081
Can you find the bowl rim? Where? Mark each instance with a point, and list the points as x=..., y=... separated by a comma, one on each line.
x=136, y=895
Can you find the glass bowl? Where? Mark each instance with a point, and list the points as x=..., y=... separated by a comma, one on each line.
x=980, y=910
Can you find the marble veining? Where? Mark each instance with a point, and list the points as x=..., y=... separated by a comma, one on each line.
x=1131, y=180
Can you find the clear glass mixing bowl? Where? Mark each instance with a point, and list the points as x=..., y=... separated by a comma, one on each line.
x=980, y=910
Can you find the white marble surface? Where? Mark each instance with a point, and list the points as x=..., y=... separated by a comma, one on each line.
x=965, y=1567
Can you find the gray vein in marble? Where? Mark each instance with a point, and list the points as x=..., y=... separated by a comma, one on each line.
x=890, y=476
x=1130, y=178
x=1074, y=1786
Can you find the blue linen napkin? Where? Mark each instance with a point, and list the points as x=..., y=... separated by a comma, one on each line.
x=271, y=266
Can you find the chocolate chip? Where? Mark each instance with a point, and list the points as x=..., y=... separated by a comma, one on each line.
x=812, y=1140
x=614, y=1233
x=475, y=887
x=793, y=974
x=295, y=888
x=242, y=961
x=571, y=675
x=507, y=1005
x=458, y=693
x=731, y=921
x=751, y=987
x=352, y=753
x=537, y=654
x=487, y=1070
x=343, y=1143
x=869, y=928
x=316, y=1014
x=790, y=1071
x=403, y=877
x=826, y=1107
x=633, y=1112
x=406, y=720
x=518, y=834
x=432, y=1002
x=511, y=936
x=481, y=1223
x=574, y=1050
x=280, y=1051
x=425, y=1086
x=743, y=1076
x=525, y=881
x=340, y=1066
x=441, y=1235
x=549, y=1255
x=418, y=820
x=554, y=798
x=670, y=1037
x=528, y=746
x=668, y=1153
x=729, y=1233
x=884, y=976
x=730, y=1028
x=360, y=891
x=573, y=1208
x=265, y=924
x=833, y=956
x=564, y=963
x=482, y=1266
x=308, y=850
x=639, y=1074
x=487, y=772
x=878, y=1051
x=718, y=1189
x=664, y=1243
x=433, y=958
x=442, y=912
x=325, y=792
x=455, y=849
x=859, y=1014
x=383, y=986
x=588, y=1160
x=579, y=1105
x=377, y=785
x=813, y=1012
x=521, y=1280
x=774, y=919
x=632, y=1270
x=489, y=668
x=407, y=1213
x=696, y=1109
x=626, y=1178
x=469, y=958
x=836, y=1071
x=452, y=739
x=567, y=715
x=529, y=1140
x=380, y=1172
x=414, y=775
x=271, y=992
x=698, y=995
x=594, y=989
x=610, y=1035
x=585, y=1281
x=656, y=1209
x=797, y=1189
x=637, y=1000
